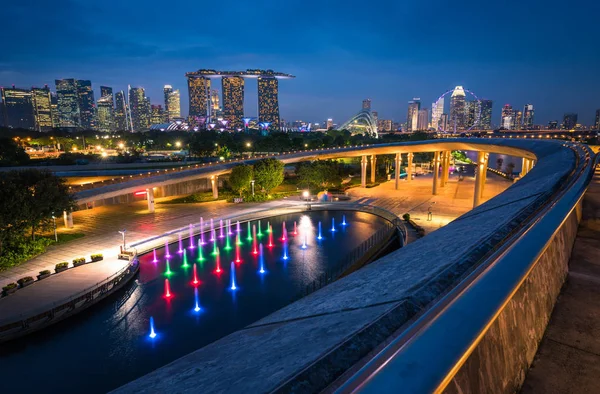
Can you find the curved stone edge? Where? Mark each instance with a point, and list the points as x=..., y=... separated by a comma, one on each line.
x=356, y=301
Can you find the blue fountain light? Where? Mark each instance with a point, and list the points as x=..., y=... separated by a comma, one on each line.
x=261, y=259
x=233, y=287
x=319, y=237
x=344, y=220
x=197, y=302
x=332, y=224
x=152, y=334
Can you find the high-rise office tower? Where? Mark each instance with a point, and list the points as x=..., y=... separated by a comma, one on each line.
x=375, y=115
x=121, y=118
x=597, y=121
x=518, y=120
x=569, y=121
x=198, y=89
x=412, y=118
x=507, y=120
x=17, y=105
x=68, y=103
x=158, y=115
x=87, y=104
x=215, y=108
x=233, y=101
x=54, y=110
x=458, y=109
x=528, y=116
x=472, y=114
x=106, y=115
x=268, y=100
x=329, y=124
x=140, y=109
x=437, y=109
x=553, y=125
x=422, y=121
x=366, y=104
x=172, y=103
x=106, y=91
x=444, y=122
x=485, y=119
x=42, y=108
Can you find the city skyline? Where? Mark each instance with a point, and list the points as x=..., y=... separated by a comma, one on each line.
x=333, y=64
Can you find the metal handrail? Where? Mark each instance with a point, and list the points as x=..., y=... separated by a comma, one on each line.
x=424, y=345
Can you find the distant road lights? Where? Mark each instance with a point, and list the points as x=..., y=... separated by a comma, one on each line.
x=221, y=158
x=104, y=154
x=121, y=145
x=178, y=144
x=248, y=144
x=306, y=145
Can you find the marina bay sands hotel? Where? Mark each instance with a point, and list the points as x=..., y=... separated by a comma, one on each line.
x=232, y=83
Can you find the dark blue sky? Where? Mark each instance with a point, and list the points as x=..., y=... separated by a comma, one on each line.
x=542, y=52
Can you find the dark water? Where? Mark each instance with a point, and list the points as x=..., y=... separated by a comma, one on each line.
x=108, y=345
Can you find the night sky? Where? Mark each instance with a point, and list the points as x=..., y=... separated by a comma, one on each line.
x=540, y=52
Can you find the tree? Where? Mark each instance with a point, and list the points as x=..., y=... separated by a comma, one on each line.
x=203, y=144
x=319, y=173
x=268, y=174
x=499, y=162
x=11, y=153
x=240, y=178
x=510, y=167
x=12, y=210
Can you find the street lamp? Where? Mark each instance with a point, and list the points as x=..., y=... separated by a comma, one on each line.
x=305, y=195
x=178, y=144
x=54, y=220
x=252, y=182
x=122, y=232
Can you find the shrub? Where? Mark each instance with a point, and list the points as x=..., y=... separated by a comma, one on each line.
x=79, y=260
x=97, y=257
x=64, y=264
x=45, y=272
x=406, y=216
x=24, y=280
x=370, y=185
x=9, y=286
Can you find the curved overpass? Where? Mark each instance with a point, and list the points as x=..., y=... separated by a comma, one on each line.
x=462, y=309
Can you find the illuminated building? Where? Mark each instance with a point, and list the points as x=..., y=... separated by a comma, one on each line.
x=215, y=108
x=268, y=101
x=384, y=125
x=158, y=115
x=485, y=119
x=366, y=104
x=121, y=119
x=412, y=118
x=437, y=109
x=528, y=116
x=172, y=103
x=139, y=106
x=444, y=122
x=233, y=101
x=472, y=109
x=106, y=91
x=597, y=121
x=458, y=109
x=106, y=118
x=17, y=105
x=375, y=115
x=87, y=104
x=569, y=121
x=507, y=120
x=198, y=89
x=329, y=124
x=54, y=110
x=42, y=108
x=422, y=120
x=553, y=125
x=68, y=103
x=518, y=119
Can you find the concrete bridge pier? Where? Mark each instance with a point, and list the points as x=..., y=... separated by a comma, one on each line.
x=445, y=167
x=397, y=169
x=150, y=198
x=68, y=218
x=481, y=170
x=214, y=181
x=409, y=166
x=373, y=167
x=436, y=171
x=363, y=171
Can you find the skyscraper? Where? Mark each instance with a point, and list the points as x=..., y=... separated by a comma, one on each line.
x=528, y=117
x=485, y=119
x=106, y=91
x=87, y=104
x=172, y=103
x=518, y=120
x=422, y=121
x=233, y=101
x=158, y=116
x=198, y=89
x=569, y=121
x=140, y=109
x=458, y=109
x=366, y=104
x=17, y=107
x=412, y=118
x=106, y=116
x=597, y=121
x=68, y=103
x=268, y=101
x=437, y=109
x=472, y=113
x=215, y=108
x=54, y=110
x=553, y=125
x=444, y=122
x=507, y=120
x=121, y=118
x=42, y=108
x=329, y=124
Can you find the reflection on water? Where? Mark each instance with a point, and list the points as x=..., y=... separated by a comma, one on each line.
x=110, y=344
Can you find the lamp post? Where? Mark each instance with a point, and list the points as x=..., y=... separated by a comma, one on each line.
x=54, y=220
x=252, y=182
x=122, y=232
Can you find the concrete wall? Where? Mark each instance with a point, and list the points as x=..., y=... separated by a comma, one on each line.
x=502, y=358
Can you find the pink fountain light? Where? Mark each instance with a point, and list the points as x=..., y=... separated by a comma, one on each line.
x=167, y=254
x=180, y=251
x=212, y=231
x=155, y=259
x=295, y=229
x=255, y=248
x=237, y=250
x=221, y=234
x=218, y=269
x=191, y=236
x=202, y=232
x=195, y=281
x=238, y=229
x=284, y=232
x=270, y=245
x=229, y=232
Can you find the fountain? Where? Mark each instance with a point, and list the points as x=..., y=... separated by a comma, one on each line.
x=221, y=234
x=191, y=236
x=215, y=249
x=283, y=232
x=319, y=237
x=152, y=334
x=259, y=233
x=195, y=281
x=295, y=229
x=168, y=271
x=249, y=237
x=285, y=253
x=344, y=220
x=155, y=260
x=180, y=251
x=227, y=243
x=229, y=232
x=200, y=257
x=237, y=251
x=201, y=242
x=304, y=246
x=332, y=225
x=233, y=276
x=197, y=301
x=261, y=259
x=238, y=229
x=254, y=249
x=218, y=269
x=212, y=231
x=270, y=231
x=167, y=289
x=185, y=262
x=167, y=254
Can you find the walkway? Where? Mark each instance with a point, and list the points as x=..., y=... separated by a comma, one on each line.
x=568, y=359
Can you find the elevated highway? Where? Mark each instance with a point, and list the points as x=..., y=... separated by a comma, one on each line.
x=461, y=310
